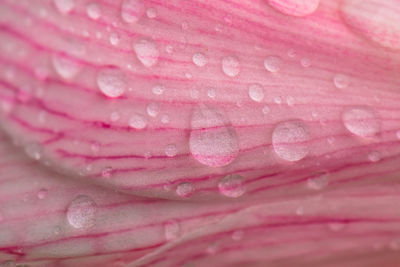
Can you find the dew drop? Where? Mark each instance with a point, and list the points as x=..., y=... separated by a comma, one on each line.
x=374, y=156
x=158, y=89
x=305, y=62
x=132, y=10
x=295, y=7
x=256, y=92
x=199, y=59
x=341, y=81
x=272, y=63
x=211, y=93
x=185, y=189
x=231, y=186
x=147, y=52
x=151, y=13
x=65, y=67
x=265, y=110
x=114, y=38
x=213, y=142
x=237, y=235
x=230, y=66
x=42, y=193
x=137, y=121
x=361, y=121
x=289, y=140
x=153, y=109
x=93, y=11
x=111, y=82
x=64, y=6
x=165, y=119
x=318, y=182
x=169, y=49
x=172, y=230
x=171, y=150
x=81, y=212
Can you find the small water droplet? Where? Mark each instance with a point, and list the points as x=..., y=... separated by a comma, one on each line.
x=151, y=13
x=185, y=189
x=295, y=7
x=64, y=6
x=231, y=66
x=114, y=38
x=256, y=92
x=42, y=193
x=132, y=10
x=81, y=212
x=278, y=100
x=341, y=81
x=165, y=119
x=211, y=93
x=265, y=110
x=169, y=49
x=188, y=75
x=199, y=59
x=272, y=63
x=289, y=140
x=185, y=25
x=171, y=150
x=147, y=52
x=237, y=235
x=318, y=182
x=361, y=121
x=231, y=186
x=93, y=11
x=34, y=151
x=213, y=142
x=65, y=66
x=153, y=109
x=114, y=116
x=137, y=121
x=374, y=156
x=290, y=101
x=158, y=89
x=107, y=172
x=291, y=53
x=194, y=93
x=172, y=230
x=305, y=62
x=111, y=82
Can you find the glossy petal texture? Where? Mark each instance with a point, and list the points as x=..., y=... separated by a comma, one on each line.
x=108, y=175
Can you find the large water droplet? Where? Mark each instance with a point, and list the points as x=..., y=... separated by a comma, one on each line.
x=65, y=67
x=231, y=66
x=111, y=82
x=199, y=59
x=362, y=121
x=64, y=6
x=172, y=230
x=341, y=81
x=213, y=142
x=93, y=11
x=137, y=121
x=256, y=92
x=297, y=8
x=231, y=186
x=272, y=63
x=132, y=10
x=146, y=51
x=318, y=182
x=81, y=212
x=376, y=20
x=290, y=139
x=185, y=189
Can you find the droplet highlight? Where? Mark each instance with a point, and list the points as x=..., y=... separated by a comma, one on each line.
x=66, y=67
x=256, y=92
x=341, y=81
x=111, y=82
x=147, y=52
x=230, y=66
x=272, y=64
x=93, y=11
x=138, y=121
x=132, y=10
x=199, y=59
x=231, y=186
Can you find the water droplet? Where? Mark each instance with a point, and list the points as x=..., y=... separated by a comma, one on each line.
x=65, y=66
x=165, y=119
x=374, y=20
x=114, y=116
x=146, y=51
x=64, y=6
x=289, y=140
x=231, y=186
x=81, y=212
x=305, y=62
x=137, y=122
x=341, y=81
x=172, y=230
x=237, y=235
x=153, y=109
x=295, y=7
x=34, y=151
x=361, y=121
x=194, y=93
x=336, y=226
x=256, y=92
x=231, y=66
x=114, y=38
x=132, y=10
x=211, y=93
x=188, y=75
x=151, y=13
x=290, y=101
x=199, y=59
x=272, y=63
x=291, y=53
x=374, y=156
x=318, y=182
x=213, y=142
x=42, y=193
x=158, y=89
x=171, y=150
x=169, y=49
x=93, y=11
x=265, y=110
x=107, y=172
x=111, y=82
x=213, y=248
x=185, y=25
x=185, y=189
